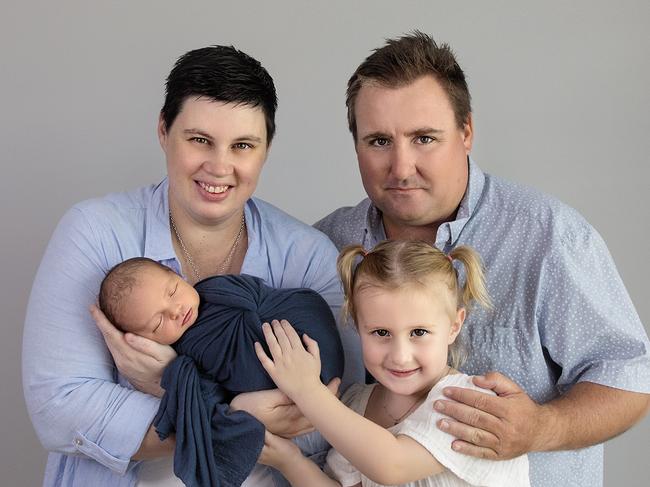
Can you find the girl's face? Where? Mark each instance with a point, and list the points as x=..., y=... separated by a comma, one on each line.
x=405, y=334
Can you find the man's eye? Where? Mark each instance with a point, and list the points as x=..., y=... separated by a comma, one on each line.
x=380, y=142
x=381, y=333
x=424, y=139
x=419, y=332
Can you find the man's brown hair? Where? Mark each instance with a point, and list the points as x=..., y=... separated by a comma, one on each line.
x=403, y=60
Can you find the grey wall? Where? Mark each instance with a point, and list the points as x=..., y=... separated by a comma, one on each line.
x=560, y=100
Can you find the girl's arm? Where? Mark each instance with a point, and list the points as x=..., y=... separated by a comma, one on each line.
x=286, y=457
x=373, y=450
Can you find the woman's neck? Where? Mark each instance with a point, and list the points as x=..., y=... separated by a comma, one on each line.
x=207, y=250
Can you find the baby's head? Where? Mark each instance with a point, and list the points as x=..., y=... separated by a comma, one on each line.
x=144, y=297
x=410, y=288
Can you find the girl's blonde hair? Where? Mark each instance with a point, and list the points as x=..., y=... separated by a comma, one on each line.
x=396, y=263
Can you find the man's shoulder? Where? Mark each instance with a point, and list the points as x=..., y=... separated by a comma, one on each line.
x=522, y=204
x=346, y=225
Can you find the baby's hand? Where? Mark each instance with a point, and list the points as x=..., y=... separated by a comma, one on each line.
x=293, y=369
x=278, y=451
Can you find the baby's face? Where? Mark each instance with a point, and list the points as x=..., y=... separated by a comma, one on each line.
x=161, y=307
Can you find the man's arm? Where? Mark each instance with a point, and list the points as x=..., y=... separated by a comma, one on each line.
x=512, y=424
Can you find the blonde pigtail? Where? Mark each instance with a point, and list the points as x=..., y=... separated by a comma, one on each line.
x=474, y=288
x=345, y=265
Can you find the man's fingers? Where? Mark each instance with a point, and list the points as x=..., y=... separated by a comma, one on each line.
x=499, y=383
x=474, y=399
x=474, y=451
x=475, y=436
x=469, y=415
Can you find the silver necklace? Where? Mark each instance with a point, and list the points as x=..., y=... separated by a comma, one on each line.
x=408, y=411
x=225, y=265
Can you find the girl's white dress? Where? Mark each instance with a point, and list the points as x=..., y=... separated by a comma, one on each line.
x=461, y=470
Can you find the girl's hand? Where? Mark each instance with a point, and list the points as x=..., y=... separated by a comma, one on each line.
x=140, y=360
x=293, y=369
x=278, y=451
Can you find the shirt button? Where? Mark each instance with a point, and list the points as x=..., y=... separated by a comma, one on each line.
x=78, y=441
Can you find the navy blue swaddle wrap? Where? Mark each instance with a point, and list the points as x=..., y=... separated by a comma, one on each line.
x=216, y=361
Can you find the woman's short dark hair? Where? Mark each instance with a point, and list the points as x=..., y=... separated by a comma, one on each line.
x=221, y=73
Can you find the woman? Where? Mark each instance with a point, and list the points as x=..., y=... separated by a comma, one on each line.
x=215, y=129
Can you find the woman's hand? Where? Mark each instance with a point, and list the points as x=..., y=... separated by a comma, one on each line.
x=276, y=411
x=140, y=360
x=278, y=451
x=293, y=369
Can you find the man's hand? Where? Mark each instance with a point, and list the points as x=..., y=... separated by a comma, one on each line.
x=140, y=360
x=276, y=411
x=496, y=428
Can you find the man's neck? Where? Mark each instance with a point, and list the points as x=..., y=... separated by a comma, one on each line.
x=405, y=232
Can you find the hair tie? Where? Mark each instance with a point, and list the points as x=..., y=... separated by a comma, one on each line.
x=451, y=259
x=364, y=252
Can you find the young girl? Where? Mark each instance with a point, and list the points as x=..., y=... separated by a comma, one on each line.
x=409, y=306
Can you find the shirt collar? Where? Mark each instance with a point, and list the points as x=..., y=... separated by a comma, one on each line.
x=157, y=240
x=448, y=232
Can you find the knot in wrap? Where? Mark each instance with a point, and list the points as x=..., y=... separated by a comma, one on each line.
x=217, y=361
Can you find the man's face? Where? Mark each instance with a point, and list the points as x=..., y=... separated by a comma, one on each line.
x=412, y=155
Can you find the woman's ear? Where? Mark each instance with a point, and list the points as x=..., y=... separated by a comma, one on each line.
x=162, y=132
x=456, y=325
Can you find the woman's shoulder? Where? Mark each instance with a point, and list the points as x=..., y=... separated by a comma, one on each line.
x=273, y=220
x=136, y=199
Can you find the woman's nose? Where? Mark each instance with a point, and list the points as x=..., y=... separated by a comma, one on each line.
x=218, y=163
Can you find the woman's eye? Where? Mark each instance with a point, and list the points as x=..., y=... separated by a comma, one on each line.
x=419, y=332
x=381, y=333
x=200, y=140
x=243, y=145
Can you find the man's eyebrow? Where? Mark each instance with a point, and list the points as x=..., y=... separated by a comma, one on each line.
x=197, y=132
x=424, y=131
x=375, y=135
x=249, y=138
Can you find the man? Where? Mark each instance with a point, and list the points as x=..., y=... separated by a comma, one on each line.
x=563, y=327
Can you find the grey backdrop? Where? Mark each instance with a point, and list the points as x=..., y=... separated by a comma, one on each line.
x=560, y=101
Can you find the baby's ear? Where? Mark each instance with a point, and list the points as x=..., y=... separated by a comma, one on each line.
x=456, y=325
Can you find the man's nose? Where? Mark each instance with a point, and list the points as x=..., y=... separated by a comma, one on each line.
x=402, y=162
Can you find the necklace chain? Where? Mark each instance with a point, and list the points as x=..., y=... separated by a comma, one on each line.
x=400, y=418
x=411, y=407
x=225, y=265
